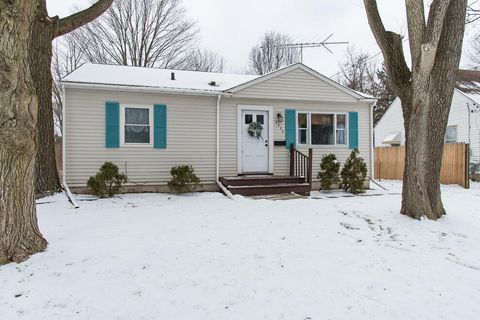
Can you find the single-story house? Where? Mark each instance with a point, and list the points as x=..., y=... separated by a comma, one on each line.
x=147, y=120
x=463, y=121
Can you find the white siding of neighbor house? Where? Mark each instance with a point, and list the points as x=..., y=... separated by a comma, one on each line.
x=296, y=85
x=191, y=131
x=460, y=116
x=475, y=138
x=392, y=121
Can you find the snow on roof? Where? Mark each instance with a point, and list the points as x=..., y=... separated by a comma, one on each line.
x=392, y=138
x=91, y=73
x=474, y=96
x=468, y=82
x=366, y=96
x=185, y=81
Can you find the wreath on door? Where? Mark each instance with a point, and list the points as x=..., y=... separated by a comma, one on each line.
x=255, y=130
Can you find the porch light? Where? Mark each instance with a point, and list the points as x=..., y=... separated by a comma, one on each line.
x=279, y=118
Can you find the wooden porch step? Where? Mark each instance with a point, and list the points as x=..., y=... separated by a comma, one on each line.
x=269, y=189
x=262, y=180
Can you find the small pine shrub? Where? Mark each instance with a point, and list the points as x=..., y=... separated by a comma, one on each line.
x=354, y=173
x=107, y=182
x=329, y=169
x=184, y=179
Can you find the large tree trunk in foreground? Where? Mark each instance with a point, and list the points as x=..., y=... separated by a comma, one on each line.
x=427, y=120
x=19, y=233
x=44, y=31
x=426, y=92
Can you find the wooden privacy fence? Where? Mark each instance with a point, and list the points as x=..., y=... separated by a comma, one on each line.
x=390, y=163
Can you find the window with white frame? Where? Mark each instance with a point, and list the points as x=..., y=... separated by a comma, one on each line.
x=451, y=134
x=137, y=125
x=341, y=129
x=303, y=128
x=322, y=128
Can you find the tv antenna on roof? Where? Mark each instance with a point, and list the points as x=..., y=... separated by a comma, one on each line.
x=324, y=43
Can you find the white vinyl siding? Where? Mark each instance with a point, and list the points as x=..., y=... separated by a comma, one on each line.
x=190, y=137
x=296, y=85
x=467, y=124
x=281, y=163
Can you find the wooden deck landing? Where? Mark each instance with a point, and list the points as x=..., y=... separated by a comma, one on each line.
x=255, y=185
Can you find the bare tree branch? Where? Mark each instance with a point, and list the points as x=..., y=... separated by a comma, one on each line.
x=431, y=35
x=272, y=53
x=77, y=20
x=146, y=33
x=204, y=60
x=391, y=46
x=67, y=57
x=358, y=71
x=416, y=27
x=473, y=12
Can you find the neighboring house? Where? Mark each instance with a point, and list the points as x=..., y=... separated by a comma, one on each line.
x=148, y=120
x=463, y=121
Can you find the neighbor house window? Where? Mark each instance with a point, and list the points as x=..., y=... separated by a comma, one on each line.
x=322, y=128
x=451, y=134
x=137, y=125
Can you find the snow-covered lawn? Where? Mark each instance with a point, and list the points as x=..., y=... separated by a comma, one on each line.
x=203, y=256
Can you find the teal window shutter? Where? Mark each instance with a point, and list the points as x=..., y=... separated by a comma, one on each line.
x=112, y=124
x=290, y=128
x=160, y=126
x=353, y=129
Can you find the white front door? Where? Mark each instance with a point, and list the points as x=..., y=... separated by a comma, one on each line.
x=255, y=149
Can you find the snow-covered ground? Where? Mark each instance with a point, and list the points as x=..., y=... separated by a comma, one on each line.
x=203, y=256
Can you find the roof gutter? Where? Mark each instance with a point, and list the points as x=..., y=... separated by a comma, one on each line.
x=109, y=87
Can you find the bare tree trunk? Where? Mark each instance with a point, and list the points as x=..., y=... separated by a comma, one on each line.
x=424, y=146
x=426, y=92
x=427, y=120
x=45, y=29
x=46, y=172
x=19, y=233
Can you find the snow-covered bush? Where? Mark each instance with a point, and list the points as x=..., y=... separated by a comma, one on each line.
x=354, y=173
x=184, y=179
x=107, y=182
x=329, y=169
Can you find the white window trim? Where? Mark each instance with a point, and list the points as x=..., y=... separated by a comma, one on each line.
x=122, y=125
x=309, y=130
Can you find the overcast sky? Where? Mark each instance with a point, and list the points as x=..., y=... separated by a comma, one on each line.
x=232, y=27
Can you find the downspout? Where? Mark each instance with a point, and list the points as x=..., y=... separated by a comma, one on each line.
x=469, y=122
x=64, y=176
x=372, y=148
x=217, y=155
